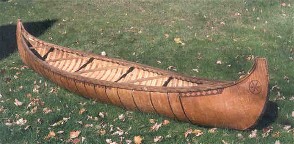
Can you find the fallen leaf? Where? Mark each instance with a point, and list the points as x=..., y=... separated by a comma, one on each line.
x=21, y=122
x=276, y=134
x=103, y=53
x=157, y=139
x=51, y=134
x=253, y=134
x=17, y=102
x=250, y=57
x=240, y=136
x=266, y=131
x=189, y=131
x=2, y=109
x=8, y=123
x=219, y=62
x=46, y=110
x=36, y=88
x=82, y=110
x=118, y=132
x=166, y=35
x=165, y=122
x=152, y=121
x=60, y=132
x=277, y=142
x=102, y=132
x=128, y=141
x=61, y=122
x=155, y=127
x=74, y=134
x=122, y=117
x=237, y=14
x=287, y=127
x=34, y=110
x=76, y=140
x=197, y=132
x=195, y=70
x=108, y=141
x=88, y=125
x=178, y=41
x=27, y=127
x=224, y=142
x=83, y=139
x=138, y=140
x=212, y=130
x=102, y=114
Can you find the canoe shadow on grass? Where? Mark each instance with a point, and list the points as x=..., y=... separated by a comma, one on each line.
x=269, y=116
x=8, y=35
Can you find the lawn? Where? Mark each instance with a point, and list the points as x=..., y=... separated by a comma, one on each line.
x=215, y=39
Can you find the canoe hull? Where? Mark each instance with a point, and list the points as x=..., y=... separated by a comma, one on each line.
x=235, y=105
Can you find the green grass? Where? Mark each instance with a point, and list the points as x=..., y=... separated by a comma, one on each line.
x=212, y=30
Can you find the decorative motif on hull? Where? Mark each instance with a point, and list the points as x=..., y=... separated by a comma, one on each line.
x=255, y=87
x=203, y=93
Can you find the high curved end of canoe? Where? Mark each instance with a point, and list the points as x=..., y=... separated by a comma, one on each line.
x=229, y=104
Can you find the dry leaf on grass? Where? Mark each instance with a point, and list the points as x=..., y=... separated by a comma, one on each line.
x=165, y=122
x=166, y=35
x=17, y=102
x=253, y=134
x=178, y=41
x=266, y=131
x=158, y=139
x=128, y=141
x=224, y=142
x=240, y=136
x=102, y=114
x=103, y=53
x=82, y=110
x=76, y=140
x=34, y=110
x=219, y=62
x=138, y=140
x=60, y=132
x=197, y=132
x=51, y=134
x=189, y=131
x=155, y=127
x=102, y=132
x=21, y=122
x=212, y=130
x=61, y=122
x=108, y=141
x=276, y=134
x=74, y=134
x=121, y=117
x=277, y=142
x=46, y=110
x=152, y=121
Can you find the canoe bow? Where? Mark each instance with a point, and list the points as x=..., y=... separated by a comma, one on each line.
x=229, y=104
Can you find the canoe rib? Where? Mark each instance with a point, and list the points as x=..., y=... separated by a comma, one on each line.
x=237, y=104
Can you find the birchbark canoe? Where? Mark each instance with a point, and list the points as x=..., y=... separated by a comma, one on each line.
x=228, y=104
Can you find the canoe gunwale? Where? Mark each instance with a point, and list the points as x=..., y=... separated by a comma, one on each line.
x=216, y=86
